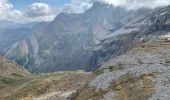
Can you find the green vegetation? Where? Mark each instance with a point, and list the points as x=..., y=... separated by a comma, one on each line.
x=16, y=87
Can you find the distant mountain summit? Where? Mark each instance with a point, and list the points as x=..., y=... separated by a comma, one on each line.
x=69, y=42
x=10, y=68
x=11, y=24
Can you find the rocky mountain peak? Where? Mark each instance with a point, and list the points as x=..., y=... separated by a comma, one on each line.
x=68, y=42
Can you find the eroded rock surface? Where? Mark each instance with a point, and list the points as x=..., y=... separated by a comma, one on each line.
x=140, y=74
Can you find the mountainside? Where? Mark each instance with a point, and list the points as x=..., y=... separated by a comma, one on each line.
x=49, y=86
x=142, y=73
x=18, y=84
x=8, y=68
x=68, y=42
x=10, y=36
x=129, y=52
x=148, y=26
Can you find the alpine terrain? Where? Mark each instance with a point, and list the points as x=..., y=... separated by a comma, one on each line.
x=85, y=50
x=69, y=41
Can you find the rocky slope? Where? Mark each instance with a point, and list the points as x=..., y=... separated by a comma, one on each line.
x=68, y=42
x=10, y=35
x=140, y=74
x=149, y=27
x=8, y=68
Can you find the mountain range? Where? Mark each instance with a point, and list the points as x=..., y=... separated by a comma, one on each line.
x=70, y=41
x=142, y=72
x=127, y=52
x=80, y=41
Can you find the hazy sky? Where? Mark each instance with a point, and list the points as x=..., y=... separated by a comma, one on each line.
x=46, y=10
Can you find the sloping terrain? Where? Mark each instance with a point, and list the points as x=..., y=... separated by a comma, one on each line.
x=140, y=74
x=149, y=27
x=52, y=86
x=8, y=68
x=18, y=84
x=10, y=36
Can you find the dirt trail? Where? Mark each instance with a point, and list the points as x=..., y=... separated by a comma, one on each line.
x=62, y=95
x=22, y=86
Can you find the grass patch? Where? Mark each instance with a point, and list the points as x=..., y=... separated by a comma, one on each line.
x=17, y=86
x=11, y=81
x=129, y=87
x=27, y=89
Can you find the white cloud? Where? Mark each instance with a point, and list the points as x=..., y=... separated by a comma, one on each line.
x=35, y=12
x=41, y=12
x=7, y=11
x=44, y=12
x=39, y=9
x=134, y=4
x=77, y=6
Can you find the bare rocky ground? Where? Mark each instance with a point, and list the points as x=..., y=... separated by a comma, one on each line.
x=143, y=73
x=8, y=67
x=52, y=86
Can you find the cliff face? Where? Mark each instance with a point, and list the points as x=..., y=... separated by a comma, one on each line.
x=68, y=42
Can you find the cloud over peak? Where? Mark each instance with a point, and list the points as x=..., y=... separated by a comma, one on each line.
x=135, y=4
x=41, y=11
x=77, y=6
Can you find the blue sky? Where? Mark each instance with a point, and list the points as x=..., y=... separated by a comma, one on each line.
x=23, y=4
x=24, y=11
